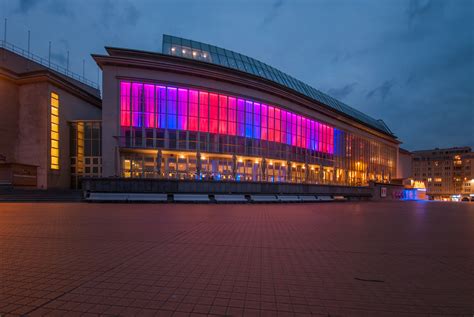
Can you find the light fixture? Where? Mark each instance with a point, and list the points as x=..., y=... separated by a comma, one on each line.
x=184, y=51
x=204, y=55
x=173, y=49
x=194, y=53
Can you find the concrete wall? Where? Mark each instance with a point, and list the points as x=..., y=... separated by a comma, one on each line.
x=404, y=169
x=33, y=122
x=386, y=191
x=127, y=185
x=8, y=119
x=71, y=108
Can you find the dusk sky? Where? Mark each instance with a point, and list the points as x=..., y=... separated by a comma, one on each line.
x=410, y=63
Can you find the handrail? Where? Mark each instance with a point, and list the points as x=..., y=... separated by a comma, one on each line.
x=47, y=63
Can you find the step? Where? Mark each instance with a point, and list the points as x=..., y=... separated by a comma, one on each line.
x=230, y=198
x=107, y=197
x=191, y=198
x=308, y=198
x=325, y=198
x=148, y=197
x=264, y=198
x=288, y=198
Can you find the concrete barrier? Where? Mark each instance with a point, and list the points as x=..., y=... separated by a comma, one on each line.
x=191, y=198
x=230, y=198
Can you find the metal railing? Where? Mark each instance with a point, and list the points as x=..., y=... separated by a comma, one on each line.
x=47, y=63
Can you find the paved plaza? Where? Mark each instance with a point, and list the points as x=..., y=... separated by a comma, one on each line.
x=327, y=259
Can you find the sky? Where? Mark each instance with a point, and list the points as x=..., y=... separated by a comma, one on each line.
x=408, y=62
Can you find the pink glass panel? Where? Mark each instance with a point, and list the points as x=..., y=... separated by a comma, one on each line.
x=149, y=106
x=264, y=122
x=182, y=109
x=232, y=113
x=193, y=110
x=125, y=103
x=223, y=114
x=137, y=90
x=203, y=111
x=213, y=113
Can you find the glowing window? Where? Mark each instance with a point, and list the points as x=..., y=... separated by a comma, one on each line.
x=54, y=131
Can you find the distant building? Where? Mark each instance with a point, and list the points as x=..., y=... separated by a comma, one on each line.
x=404, y=169
x=448, y=174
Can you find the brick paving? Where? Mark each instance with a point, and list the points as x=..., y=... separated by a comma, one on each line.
x=330, y=259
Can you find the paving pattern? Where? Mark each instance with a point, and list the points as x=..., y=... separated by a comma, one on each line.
x=326, y=259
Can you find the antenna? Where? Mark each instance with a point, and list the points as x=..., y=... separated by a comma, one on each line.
x=49, y=55
x=5, y=31
x=67, y=62
x=28, y=42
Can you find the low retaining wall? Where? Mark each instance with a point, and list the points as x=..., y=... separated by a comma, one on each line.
x=128, y=185
x=386, y=191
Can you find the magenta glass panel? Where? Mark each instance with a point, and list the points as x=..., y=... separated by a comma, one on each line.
x=232, y=115
x=125, y=103
x=303, y=132
x=277, y=125
x=161, y=106
x=193, y=110
x=271, y=123
x=182, y=109
x=294, y=133
x=137, y=90
x=298, y=131
x=203, y=111
x=223, y=114
x=171, y=108
x=248, y=118
x=213, y=113
x=264, y=122
x=256, y=120
x=240, y=117
x=149, y=106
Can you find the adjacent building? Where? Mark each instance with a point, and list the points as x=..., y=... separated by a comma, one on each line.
x=38, y=104
x=448, y=174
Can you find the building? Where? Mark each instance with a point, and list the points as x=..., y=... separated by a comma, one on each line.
x=196, y=111
x=192, y=112
x=447, y=173
x=404, y=163
x=39, y=102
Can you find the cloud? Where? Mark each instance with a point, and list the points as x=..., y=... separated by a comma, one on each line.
x=272, y=13
x=59, y=58
x=342, y=92
x=132, y=15
x=381, y=91
x=418, y=8
x=26, y=5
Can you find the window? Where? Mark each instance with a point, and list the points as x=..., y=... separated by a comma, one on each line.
x=54, y=131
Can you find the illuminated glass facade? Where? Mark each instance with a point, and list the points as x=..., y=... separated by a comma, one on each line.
x=171, y=131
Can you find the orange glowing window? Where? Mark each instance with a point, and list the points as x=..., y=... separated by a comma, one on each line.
x=54, y=127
